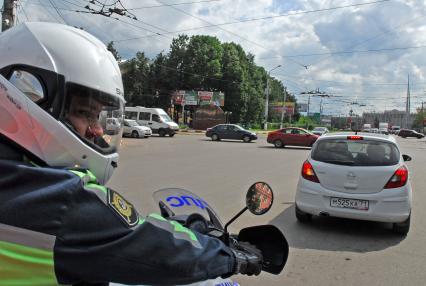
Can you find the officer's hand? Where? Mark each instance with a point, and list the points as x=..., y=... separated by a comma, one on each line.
x=248, y=259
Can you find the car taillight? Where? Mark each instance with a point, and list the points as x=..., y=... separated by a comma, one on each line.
x=355, y=137
x=308, y=172
x=399, y=178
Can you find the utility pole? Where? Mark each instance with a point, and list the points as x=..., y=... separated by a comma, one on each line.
x=8, y=15
x=283, y=110
x=408, y=105
x=309, y=101
x=265, y=124
x=423, y=119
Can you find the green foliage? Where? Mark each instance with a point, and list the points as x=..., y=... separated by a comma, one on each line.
x=114, y=52
x=202, y=63
x=306, y=122
x=418, y=120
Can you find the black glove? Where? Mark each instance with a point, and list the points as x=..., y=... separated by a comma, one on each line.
x=248, y=259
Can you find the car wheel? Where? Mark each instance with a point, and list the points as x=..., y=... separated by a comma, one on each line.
x=171, y=134
x=215, y=137
x=302, y=216
x=278, y=143
x=246, y=139
x=135, y=134
x=402, y=227
x=161, y=132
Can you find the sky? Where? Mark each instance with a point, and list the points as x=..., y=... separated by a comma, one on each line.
x=359, y=52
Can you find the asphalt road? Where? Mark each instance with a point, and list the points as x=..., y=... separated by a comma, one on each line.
x=328, y=251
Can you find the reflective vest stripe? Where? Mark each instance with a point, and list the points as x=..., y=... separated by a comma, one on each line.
x=175, y=228
x=26, y=257
x=24, y=265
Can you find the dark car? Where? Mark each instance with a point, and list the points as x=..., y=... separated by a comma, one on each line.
x=291, y=136
x=230, y=131
x=404, y=133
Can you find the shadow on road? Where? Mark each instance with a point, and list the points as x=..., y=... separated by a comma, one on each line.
x=228, y=141
x=335, y=234
x=290, y=148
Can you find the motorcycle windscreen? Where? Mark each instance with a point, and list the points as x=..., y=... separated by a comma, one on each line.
x=180, y=202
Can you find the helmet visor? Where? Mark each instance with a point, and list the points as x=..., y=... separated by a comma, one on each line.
x=96, y=117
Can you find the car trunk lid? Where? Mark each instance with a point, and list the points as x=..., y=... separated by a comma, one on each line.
x=353, y=179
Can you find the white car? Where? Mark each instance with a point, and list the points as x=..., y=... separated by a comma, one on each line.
x=320, y=130
x=357, y=177
x=133, y=129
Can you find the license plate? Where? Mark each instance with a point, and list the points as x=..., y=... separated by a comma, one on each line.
x=349, y=204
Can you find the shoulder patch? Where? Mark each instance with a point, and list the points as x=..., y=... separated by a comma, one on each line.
x=122, y=208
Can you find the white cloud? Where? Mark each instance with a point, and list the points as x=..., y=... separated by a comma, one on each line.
x=373, y=78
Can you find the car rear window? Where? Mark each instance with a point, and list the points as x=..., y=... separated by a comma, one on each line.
x=356, y=152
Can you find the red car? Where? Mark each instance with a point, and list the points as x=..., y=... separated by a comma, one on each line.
x=291, y=136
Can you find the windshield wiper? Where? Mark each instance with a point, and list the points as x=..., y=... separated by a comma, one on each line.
x=340, y=162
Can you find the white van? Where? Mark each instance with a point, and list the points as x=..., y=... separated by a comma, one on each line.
x=155, y=118
x=366, y=128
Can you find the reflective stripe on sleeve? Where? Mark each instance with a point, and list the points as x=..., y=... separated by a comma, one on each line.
x=26, y=257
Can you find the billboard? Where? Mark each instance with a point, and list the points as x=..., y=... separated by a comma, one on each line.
x=191, y=97
x=302, y=107
x=288, y=107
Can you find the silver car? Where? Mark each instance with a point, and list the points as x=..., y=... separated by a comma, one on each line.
x=361, y=176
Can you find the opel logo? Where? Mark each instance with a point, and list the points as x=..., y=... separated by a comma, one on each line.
x=351, y=176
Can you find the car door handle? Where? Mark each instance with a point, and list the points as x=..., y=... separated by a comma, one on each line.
x=150, y=123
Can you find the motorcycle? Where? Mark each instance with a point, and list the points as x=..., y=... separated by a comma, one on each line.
x=196, y=214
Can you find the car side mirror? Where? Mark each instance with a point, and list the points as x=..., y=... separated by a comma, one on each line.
x=406, y=158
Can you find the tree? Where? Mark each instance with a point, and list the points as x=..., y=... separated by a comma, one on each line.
x=202, y=63
x=135, y=73
x=114, y=52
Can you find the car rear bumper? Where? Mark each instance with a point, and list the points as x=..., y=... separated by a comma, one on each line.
x=389, y=205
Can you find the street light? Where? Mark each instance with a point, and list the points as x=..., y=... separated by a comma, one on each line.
x=282, y=111
x=265, y=125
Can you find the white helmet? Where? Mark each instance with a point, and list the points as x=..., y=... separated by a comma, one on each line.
x=47, y=72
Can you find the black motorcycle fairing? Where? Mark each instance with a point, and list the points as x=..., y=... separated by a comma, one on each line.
x=271, y=242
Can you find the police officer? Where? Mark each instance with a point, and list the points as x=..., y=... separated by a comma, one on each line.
x=58, y=223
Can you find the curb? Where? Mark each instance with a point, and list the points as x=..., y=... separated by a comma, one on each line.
x=191, y=132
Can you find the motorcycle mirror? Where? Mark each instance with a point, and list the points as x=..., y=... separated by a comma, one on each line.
x=259, y=198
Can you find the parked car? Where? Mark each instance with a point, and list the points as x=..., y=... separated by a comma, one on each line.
x=133, y=129
x=291, y=136
x=320, y=130
x=230, y=131
x=357, y=177
x=384, y=130
x=404, y=133
x=394, y=129
x=374, y=130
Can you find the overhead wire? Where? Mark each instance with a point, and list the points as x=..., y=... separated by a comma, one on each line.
x=22, y=9
x=48, y=9
x=263, y=18
x=347, y=52
x=388, y=31
x=57, y=11
x=172, y=4
x=230, y=32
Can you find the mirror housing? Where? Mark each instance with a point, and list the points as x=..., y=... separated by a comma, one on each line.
x=259, y=198
x=406, y=158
